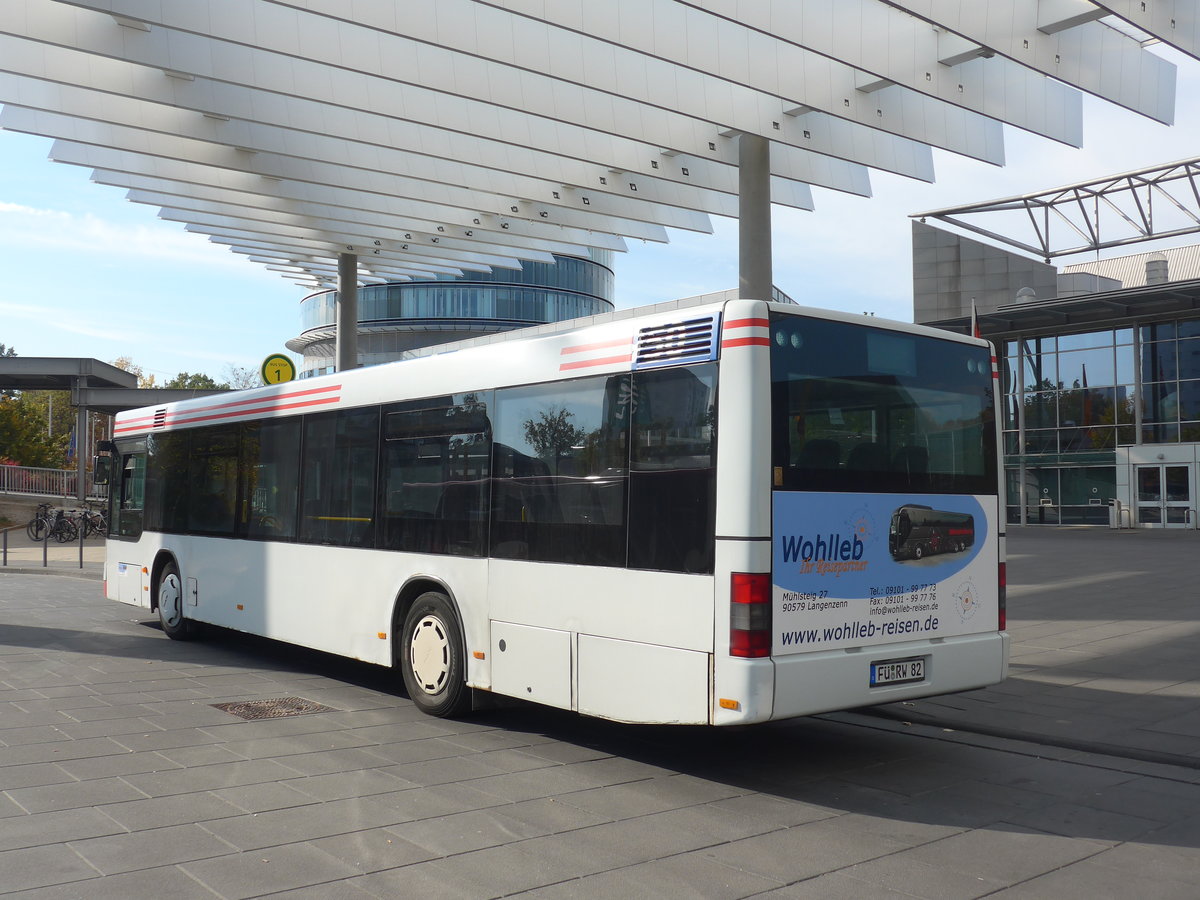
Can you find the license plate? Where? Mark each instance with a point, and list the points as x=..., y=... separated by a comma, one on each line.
x=897, y=671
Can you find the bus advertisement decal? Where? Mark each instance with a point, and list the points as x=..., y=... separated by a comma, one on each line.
x=853, y=569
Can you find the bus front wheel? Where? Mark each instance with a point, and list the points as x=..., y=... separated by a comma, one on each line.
x=170, y=604
x=431, y=657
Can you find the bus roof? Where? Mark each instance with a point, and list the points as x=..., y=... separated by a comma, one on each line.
x=607, y=351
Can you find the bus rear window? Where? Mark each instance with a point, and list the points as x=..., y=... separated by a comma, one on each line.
x=861, y=408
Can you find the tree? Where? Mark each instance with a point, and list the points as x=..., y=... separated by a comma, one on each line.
x=240, y=378
x=23, y=437
x=6, y=352
x=126, y=364
x=186, y=381
x=552, y=434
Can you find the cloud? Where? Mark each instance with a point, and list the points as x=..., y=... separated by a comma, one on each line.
x=74, y=234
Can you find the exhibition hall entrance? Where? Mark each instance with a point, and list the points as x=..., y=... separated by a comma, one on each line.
x=1164, y=496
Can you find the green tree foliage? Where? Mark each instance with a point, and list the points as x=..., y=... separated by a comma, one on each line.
x=35, y=426
x=186, y=381
x=23, y=434
x=6, y=351
x=126, y=364
x=553, y=435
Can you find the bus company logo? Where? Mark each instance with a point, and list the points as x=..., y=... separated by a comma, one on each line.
x=824, y=554
x=965, y=601
x=861, y=524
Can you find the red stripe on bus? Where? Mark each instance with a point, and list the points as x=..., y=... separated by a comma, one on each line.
x=747, y=323
x=288, y=395
x=746, y=342
x=603, y=361
x=601, y=345
x=187, y=419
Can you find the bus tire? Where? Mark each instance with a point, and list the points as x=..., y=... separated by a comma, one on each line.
x=918, y=552
x=431, y=657
x=169, y=595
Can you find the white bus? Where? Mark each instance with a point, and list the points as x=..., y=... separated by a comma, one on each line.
x=673, y=515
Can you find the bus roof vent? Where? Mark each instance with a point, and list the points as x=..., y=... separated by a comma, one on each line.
x=688, y=341
x=160, y=417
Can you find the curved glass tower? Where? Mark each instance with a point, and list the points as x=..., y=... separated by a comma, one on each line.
x=403, y=316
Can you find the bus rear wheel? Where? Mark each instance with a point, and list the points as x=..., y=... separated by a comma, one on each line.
x=431, y=657
x=169, y=594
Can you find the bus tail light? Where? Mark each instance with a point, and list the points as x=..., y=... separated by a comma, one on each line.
x=750, y=614
x=1003, y=617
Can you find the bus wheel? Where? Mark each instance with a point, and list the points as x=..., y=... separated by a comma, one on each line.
x=170, y=604
x=431, y=657
x=918, y=552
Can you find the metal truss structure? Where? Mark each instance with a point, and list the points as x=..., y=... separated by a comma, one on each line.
x=1148, y=204
x=445, y=136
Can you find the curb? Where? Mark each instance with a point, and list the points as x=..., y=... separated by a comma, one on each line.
x=40, y=570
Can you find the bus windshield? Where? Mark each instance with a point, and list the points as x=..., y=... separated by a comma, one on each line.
x=857, y=408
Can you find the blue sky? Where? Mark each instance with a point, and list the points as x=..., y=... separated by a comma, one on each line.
x=86, y=273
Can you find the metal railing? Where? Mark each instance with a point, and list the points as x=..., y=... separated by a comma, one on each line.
x=46, y=482
x=45, y=542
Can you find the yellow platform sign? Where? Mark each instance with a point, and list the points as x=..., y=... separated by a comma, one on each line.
x=277, y=368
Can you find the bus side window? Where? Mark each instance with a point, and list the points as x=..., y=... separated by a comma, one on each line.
x=672, y=478
x=270, y=479
x=436, y=462
x=560, y=474
x=338, y=481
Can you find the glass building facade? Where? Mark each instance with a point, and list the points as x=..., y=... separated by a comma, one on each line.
x=403, y=316
x=1071, y=399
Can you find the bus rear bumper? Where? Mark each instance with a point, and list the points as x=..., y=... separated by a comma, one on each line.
x=810, y=683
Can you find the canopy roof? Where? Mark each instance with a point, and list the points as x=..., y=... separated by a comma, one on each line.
x=446, y=136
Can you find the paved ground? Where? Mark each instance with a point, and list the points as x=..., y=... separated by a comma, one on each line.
x=118, y=778
x=19, y=554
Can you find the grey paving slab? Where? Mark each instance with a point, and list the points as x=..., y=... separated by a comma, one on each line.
x=374, y=850
x=52, y=828
x=76, y=795
x=130, y=852
x=299, y=823
x=265, y=872
x=1090, y=879
x=1006, y=854
x=164, y=881
x=688, y=875
x=159, y=812
x=1079, y=775
x=910, y=877
x=34, y=867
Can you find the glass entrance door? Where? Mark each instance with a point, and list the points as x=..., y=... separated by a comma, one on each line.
x=1164, y=496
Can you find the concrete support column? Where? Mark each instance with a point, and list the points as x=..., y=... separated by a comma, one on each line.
x=755, y=280
x=347, y=312
x=81, y=443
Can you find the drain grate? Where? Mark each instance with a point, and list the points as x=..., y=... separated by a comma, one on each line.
x=273, y=709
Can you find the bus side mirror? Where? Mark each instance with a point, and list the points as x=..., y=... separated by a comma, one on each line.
x=102, y=467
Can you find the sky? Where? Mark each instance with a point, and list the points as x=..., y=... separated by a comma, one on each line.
x=87, y=273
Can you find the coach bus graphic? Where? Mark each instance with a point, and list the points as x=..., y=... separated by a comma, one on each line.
x=918, y=531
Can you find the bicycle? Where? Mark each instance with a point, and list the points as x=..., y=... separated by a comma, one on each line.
x=93, y=521
x=40, y=523
x=64, y=528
